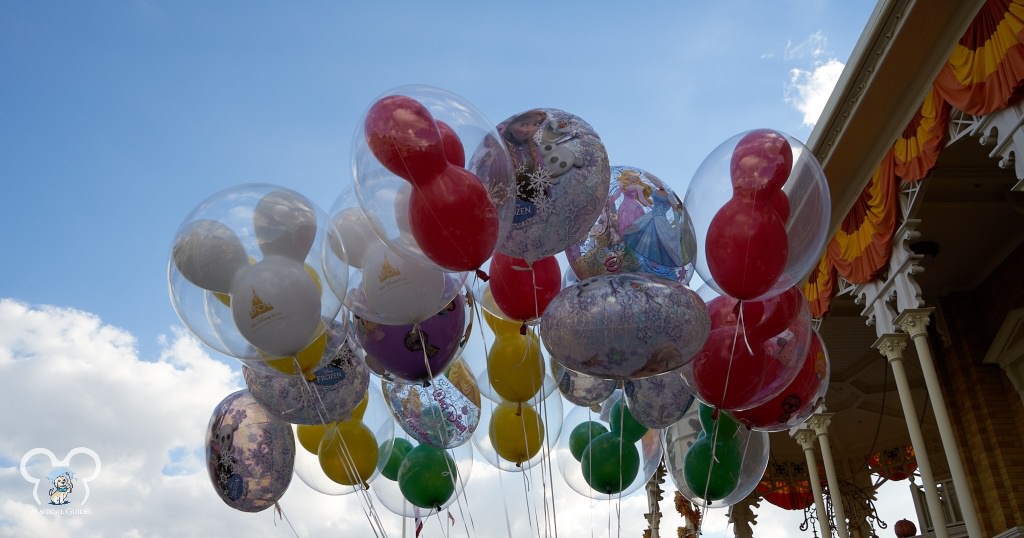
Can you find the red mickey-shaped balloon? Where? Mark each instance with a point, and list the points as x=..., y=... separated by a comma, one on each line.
x=747, y=248
x=761, y=162
x=798, y=400
x=404, y=137
x=454, y=153
x=453, y=220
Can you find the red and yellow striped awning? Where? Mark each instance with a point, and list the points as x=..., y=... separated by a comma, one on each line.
x=984, y=74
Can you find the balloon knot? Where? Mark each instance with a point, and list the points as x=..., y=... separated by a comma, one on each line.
x=519, y=409
x=714, y=413
x=522, y=329
x=482, y=275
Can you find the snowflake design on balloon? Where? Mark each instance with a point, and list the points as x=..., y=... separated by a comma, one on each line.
x=544, y=205
x=542, y=180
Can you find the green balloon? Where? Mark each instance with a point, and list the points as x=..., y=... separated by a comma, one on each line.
x=623, y=423
x=708, y=479
x=610, y=464
x=727, y=426
x=399, y=449
x=427, y=477
x=582, y=435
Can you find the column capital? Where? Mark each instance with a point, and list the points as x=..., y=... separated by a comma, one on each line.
x=820, y=422
x=914, y=321
x=806, y=438
x=891, y=345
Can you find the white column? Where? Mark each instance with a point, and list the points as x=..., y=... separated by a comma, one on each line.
x=819, y=422
x=891, y=346
x=806, y=439
x=915, y=322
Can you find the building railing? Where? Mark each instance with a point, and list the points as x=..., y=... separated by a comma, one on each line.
x=950, y=509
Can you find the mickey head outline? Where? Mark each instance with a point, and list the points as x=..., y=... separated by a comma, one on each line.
x=23, y=467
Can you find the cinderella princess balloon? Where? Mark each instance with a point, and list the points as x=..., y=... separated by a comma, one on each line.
x=643, y=228
x=625, y=326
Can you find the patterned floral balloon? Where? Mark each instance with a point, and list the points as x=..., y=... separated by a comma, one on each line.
x=250, y=455
x=625, y=326
x=443, y=414
x=658, y=401
x=562, y=180
x=330, y=396
x=643, y=228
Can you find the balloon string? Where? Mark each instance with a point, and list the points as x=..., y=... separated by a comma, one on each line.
x=453, y=474
x=526, y=497
x=279, y=512
x=547, y=460
x=372, y=516
x=741, y=324
x=504, y=504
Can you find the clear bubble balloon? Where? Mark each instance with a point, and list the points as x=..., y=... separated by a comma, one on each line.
x=609, y=467
x=760, y=184
x=383, y=284
x=261, y=252
x=768, y=363
x=346, y=454
x=740, y=461
x=442, y=477
x=516, y=436
x=421, y=196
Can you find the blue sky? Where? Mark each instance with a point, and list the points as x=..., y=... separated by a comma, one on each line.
x=118, y=117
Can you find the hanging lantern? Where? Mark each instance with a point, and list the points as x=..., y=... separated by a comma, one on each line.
x=894, y=464
x=905, y=528
x=787, y=485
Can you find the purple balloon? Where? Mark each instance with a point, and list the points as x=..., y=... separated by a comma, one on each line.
x=403, y=354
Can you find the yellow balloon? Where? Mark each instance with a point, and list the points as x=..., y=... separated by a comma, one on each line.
x=516, y=432
x=500, y=325
x=307, y=360
x=348, y=453
x=515, y=366
x=309, y=436
x=360, y=409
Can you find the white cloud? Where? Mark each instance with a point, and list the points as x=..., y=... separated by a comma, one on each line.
x=814, y=47
x=808, y=91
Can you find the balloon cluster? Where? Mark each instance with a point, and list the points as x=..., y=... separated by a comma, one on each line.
x=315, y=304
